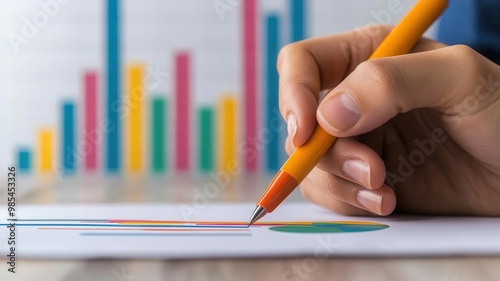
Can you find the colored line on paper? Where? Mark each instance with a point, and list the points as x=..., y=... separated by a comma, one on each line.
x=165, y=234
x=65, y=220
x=206, y=139
x=158, y=137
x=45, y=150
x=144, y=229
x=136, y=96
x=227, y=121
x=203, y=226
x=124, y=225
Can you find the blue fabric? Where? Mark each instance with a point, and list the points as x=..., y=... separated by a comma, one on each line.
x=475, y=23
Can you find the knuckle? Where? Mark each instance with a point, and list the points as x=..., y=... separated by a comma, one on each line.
x=286, y=52
x=383, y=74
x=464, y=52
x=464, y=57
x=388, y=78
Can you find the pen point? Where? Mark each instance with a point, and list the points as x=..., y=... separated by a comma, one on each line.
x=257, y=214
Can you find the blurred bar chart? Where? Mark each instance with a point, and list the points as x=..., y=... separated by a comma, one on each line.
x=157, y=87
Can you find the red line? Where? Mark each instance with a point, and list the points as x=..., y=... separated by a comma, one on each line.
x=182, y=111
x=250, y=83
x=90, y=132
x=199, y=229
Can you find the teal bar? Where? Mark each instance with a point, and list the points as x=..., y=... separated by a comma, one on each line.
x=68, y=152
x=271, y=50
x=297, y=17
x=206, y=139
x=113, y=83
x=24, y=161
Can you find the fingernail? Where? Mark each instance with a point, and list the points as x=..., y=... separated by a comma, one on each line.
x=357, y=170
x=340, y=112
x=291, y=126
x=370, y=200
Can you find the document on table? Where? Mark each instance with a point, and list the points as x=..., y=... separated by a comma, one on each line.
x=219, y=230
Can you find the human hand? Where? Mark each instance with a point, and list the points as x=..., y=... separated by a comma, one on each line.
x=422, y=129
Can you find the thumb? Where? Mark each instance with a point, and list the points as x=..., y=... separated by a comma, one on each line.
x=379, y=89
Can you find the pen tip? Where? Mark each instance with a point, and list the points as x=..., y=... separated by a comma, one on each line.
x=257, y=214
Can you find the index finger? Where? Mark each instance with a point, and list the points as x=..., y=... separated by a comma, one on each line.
x=307, y=67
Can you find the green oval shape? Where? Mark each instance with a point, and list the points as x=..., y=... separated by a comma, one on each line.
x=327, y=227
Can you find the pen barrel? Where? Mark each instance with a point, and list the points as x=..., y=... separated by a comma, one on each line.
x=296, y=168
x=280, y=187
x=410, y=29
x=305, y=157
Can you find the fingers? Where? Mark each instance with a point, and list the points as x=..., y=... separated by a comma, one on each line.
x=379, y=89
x=352, y=161
x=345, y=197
x=355, y=162
x=349, y=180
x=308, y=66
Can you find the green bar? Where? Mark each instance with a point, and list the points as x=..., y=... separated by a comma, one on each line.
x=158, y=135
x=206, y=143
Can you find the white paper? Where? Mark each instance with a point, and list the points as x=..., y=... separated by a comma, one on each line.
x=405, y=236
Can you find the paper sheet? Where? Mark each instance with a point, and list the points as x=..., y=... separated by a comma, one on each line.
x=160, y=231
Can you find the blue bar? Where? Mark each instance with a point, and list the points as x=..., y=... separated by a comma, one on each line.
x=297, y=17
x=24, y=161
x=113, y=86
x=68, y=137
x=271, y=55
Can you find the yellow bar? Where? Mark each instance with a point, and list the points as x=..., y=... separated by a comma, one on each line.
x=136, y=97
x=45, y=150
x=227, y=125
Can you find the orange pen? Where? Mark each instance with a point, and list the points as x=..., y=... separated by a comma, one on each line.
x=398, y=42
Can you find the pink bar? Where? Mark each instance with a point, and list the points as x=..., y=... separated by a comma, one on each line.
x=250, y=83
x=90, y=131
x=182, y=111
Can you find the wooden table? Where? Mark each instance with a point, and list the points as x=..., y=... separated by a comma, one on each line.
x=407, y=269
